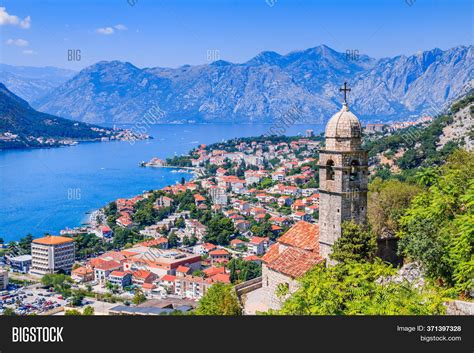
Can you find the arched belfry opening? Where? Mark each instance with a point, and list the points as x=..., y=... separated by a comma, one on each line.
x=354, y=172
x=330, y=170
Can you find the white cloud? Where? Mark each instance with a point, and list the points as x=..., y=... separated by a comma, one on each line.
x=121, y=27
x=18, y=42
x=105, y=31
x=7, y=19
x=29, y=52
x=26, y=23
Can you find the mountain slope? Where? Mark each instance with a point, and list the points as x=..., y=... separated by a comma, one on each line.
x=21, y=126
x=267, y=87
x=32, y=83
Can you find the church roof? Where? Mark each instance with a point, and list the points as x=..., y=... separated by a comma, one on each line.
x=294, y=262
x=295, y=252
x=343, y=124
x=302, y=235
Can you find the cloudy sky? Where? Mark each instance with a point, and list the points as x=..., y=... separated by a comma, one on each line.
x=177, y=32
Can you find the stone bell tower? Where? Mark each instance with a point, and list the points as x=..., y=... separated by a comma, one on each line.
x=343, y=177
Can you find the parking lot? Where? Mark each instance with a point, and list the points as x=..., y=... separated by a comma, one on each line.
x=30, y=300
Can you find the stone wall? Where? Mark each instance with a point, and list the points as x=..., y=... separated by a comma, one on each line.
x=459, y=307
x=270, y=281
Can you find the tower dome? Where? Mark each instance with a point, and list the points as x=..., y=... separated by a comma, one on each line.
x=343, y=124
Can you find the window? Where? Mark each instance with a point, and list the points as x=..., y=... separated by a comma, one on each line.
x=354, y=175
x=330, y=170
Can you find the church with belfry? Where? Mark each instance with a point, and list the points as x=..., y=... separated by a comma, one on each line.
x=343, y=180
x=343, y=177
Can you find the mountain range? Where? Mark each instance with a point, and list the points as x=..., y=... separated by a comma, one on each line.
x=32, y=83
x=265, y=88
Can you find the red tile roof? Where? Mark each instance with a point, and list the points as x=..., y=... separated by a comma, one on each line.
x=168, y=278
x=218, y=252
x=294, y=262
x=302, y=235
x=182, y=269
x=221, y=277
x=118, y=273
x=257, y=240
x=252, y=258
x=211, y=271
x=108, y=265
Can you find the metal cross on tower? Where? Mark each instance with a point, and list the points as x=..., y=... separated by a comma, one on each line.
x=345, y=90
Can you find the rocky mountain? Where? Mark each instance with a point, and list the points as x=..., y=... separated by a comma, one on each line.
x=31, y=83
x=21, y=126
x=267, y=87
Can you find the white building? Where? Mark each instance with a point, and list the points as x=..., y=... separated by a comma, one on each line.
x=52, y=253
x=3, y=279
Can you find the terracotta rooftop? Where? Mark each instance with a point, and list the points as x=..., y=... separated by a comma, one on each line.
x=294, y=262
x=302, y=235
x=53, y=240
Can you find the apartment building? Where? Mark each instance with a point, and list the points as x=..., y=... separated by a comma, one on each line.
x=51, y=254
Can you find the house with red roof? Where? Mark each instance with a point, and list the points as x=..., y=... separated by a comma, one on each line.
x=104, y=268
x=257, y=245
x=82, y=274
x=142, y=276
x=199, y=199
x=105, y=231
x=237, y=243
x=182, y=271
x=219, y=255
x=120, y=278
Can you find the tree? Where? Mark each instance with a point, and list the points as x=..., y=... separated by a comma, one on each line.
x=387, y=202
x=88, y=310
x=186, y=241
x=357, y=243
x=220, y=299
x=9, y=312
x=60, y=282
x=173, y=240
x=72, y=312
x=139, y=297
x=219, y=230
x=77, y=299
x=354, y=288
x=437, y=229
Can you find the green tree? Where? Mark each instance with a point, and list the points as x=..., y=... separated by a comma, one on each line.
x=357, y=243
x=437, y=229
x=139, y=297
x=220, y=299
x=88, y=310
x=9, y=312
x=72, y=312
x=60, y=282
x=387, y=202
x=353, y=288
x=173, y=240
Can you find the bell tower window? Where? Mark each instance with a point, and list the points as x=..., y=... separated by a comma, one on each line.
x=330, y=170
x=354, y=174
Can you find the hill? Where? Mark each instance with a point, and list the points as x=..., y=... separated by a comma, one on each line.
x=423, y=146
x=31, y=83
x=21, y=126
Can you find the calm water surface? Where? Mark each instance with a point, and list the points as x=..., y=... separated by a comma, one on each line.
x=46, y=190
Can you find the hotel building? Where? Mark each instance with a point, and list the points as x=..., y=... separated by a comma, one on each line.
x=52, y=253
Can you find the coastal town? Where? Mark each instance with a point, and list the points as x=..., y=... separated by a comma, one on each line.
x=248, y=216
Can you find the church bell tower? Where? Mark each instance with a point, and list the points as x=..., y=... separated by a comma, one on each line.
x=343, y=177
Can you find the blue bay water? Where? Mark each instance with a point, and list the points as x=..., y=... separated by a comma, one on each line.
x=46, y=190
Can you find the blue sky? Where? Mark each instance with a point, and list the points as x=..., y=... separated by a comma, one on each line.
x=177, y=32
